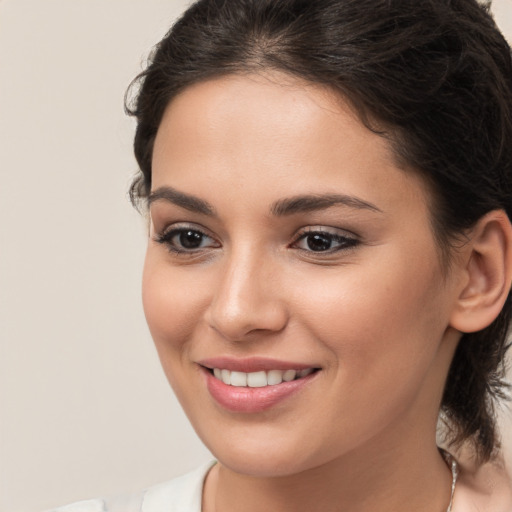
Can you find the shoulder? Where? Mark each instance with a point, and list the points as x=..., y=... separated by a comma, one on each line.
x=486, y=488
x=182, y=493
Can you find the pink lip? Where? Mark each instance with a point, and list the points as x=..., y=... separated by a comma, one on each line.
x=252, y=400
x=252, y=364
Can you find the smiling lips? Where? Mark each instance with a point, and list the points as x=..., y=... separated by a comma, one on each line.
x=259, y=388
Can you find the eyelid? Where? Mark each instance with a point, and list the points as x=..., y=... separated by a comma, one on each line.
x=182, y=225
x=328, y=230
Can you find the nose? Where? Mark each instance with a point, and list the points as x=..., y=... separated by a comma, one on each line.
x=248, y=299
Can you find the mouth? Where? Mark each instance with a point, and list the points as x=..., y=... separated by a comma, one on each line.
x=255, y=385
x=259, y=379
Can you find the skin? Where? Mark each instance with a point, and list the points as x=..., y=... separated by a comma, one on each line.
x=375, y=315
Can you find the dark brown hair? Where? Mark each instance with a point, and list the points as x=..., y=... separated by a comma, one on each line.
x=434, y=75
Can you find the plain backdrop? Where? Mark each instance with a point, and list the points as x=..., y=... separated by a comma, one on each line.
x=85, y=410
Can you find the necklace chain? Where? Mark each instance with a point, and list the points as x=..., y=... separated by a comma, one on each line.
x=455, y=473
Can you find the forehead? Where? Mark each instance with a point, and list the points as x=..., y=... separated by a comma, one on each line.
x=255, y=130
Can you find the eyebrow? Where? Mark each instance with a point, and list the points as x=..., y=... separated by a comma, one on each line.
x=186, y=201
x=281, y=208
x=309, y=203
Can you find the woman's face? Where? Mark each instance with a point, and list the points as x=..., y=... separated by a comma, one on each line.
x=286, y=241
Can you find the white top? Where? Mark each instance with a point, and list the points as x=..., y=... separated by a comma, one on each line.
x=181, y=494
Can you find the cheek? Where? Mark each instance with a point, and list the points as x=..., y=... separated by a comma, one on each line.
x=173, y=304
x=389, y=315
x=383, y=334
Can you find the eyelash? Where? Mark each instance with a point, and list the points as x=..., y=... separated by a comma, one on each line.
x=166, y=238
x=345, y=242
x=319, y=235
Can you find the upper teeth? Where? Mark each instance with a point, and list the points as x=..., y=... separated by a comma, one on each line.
x=259, y=379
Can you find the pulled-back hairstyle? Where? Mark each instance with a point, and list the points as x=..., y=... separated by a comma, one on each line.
x=433, y=76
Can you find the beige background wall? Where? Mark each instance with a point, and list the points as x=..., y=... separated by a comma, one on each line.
x=84, y=407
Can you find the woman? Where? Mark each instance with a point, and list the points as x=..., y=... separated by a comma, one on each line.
x=328, y=186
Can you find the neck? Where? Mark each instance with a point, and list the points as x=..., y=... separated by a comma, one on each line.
x=376, y=481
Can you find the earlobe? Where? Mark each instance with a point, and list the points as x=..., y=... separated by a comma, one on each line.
x=488, y=273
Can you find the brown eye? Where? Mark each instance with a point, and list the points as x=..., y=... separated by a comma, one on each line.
x=323, y=241
x=318, y=242
x=186, y=240
x=189, y=239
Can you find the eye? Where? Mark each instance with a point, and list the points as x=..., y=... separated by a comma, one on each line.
x=186, y=240
x=324, y=241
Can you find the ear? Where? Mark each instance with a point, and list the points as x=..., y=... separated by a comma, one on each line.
x=487, y=265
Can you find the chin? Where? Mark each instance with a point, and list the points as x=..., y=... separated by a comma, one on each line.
x=269, y=454
x=263, y=465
